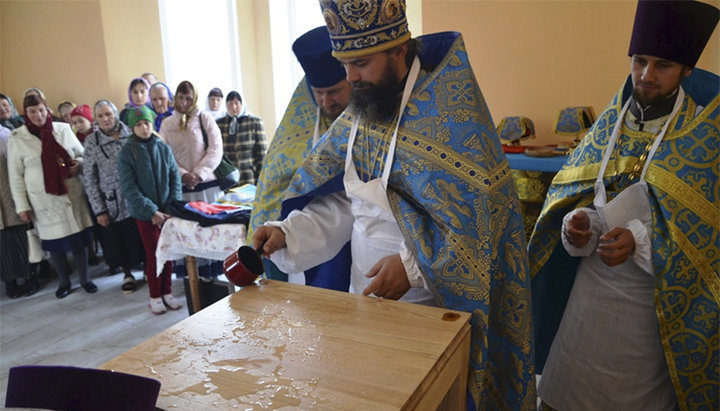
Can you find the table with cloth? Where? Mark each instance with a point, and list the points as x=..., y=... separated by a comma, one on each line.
x=183, y=238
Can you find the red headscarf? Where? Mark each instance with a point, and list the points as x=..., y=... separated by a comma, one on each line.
x=55, y=159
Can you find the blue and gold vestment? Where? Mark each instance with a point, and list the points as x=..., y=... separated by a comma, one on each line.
x=291, y=143
x=684, y=196
x=451, y=192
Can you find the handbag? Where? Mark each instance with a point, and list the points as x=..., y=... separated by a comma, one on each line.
x=35, y=251
x=226, y=173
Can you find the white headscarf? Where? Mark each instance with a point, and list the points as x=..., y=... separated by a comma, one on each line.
x=243, y=110
x=220, y=112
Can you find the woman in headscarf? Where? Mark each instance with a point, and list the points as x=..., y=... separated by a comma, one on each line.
x=138, y=95
x=37, y=92
x=44, y=161
x=64, y=110
x=197, y=157
x=121, y=241
x=215, y=103
x=244, y=139
x=9, y=117
x=161, y=99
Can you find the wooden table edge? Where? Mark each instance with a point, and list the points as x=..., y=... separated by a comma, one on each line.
x=445, y=386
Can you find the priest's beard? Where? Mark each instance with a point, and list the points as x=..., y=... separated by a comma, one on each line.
x=377, y=103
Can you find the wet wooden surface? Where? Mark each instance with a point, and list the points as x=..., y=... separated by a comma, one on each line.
x=275, y=344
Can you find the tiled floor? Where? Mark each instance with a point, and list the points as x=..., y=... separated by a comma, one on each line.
x=83, y=330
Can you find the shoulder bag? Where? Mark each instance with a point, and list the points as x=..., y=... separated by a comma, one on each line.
x=226, y=173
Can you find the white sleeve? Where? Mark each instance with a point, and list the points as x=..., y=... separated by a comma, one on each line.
x=412, y=268
x=314, y=234
x=642, y=256
x=595, y=226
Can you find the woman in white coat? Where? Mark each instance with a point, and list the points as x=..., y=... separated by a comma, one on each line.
x=44, y=161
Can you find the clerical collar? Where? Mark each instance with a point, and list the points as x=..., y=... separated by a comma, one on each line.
x=643, y=115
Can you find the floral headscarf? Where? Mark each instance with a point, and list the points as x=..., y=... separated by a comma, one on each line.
x=185, y=87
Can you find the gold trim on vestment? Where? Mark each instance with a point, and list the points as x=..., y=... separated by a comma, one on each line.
x=371, y=50
x=668, y=352
x=669, y=183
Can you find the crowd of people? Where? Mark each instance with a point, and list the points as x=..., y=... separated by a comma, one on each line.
x=386, y=178
x=70, y=183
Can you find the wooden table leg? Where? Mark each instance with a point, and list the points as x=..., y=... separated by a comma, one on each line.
x=191, y=267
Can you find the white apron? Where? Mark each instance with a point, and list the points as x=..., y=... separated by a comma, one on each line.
x=375, y=232
x=607, y=353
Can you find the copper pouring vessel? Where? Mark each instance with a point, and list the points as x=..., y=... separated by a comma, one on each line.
x=243, y=266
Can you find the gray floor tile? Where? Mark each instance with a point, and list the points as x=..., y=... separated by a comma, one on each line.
x=83, y=330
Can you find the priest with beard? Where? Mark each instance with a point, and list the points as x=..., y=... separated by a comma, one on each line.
x=414, y=176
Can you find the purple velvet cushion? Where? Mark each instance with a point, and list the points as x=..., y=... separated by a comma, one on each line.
x=73, y=388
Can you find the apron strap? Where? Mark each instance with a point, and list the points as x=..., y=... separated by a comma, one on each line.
x=658, y=139
x=409, y=84
x=316, y=132
x=616, y=132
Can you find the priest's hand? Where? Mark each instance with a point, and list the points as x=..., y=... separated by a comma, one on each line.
x=270, y=238
x=390, y=280
x=577, y=230
x=616, y=246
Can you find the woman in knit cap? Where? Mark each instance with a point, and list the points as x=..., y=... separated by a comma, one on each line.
x=44, y=161
x=82, y=123
x=119, y=235
x=81, y=119
x=9, y=117
x=197, y=158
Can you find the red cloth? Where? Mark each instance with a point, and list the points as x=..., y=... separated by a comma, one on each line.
x=208, y=208
x=55, y=160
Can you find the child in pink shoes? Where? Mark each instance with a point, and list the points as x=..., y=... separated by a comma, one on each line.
x=150, y=181
x=166, y=302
